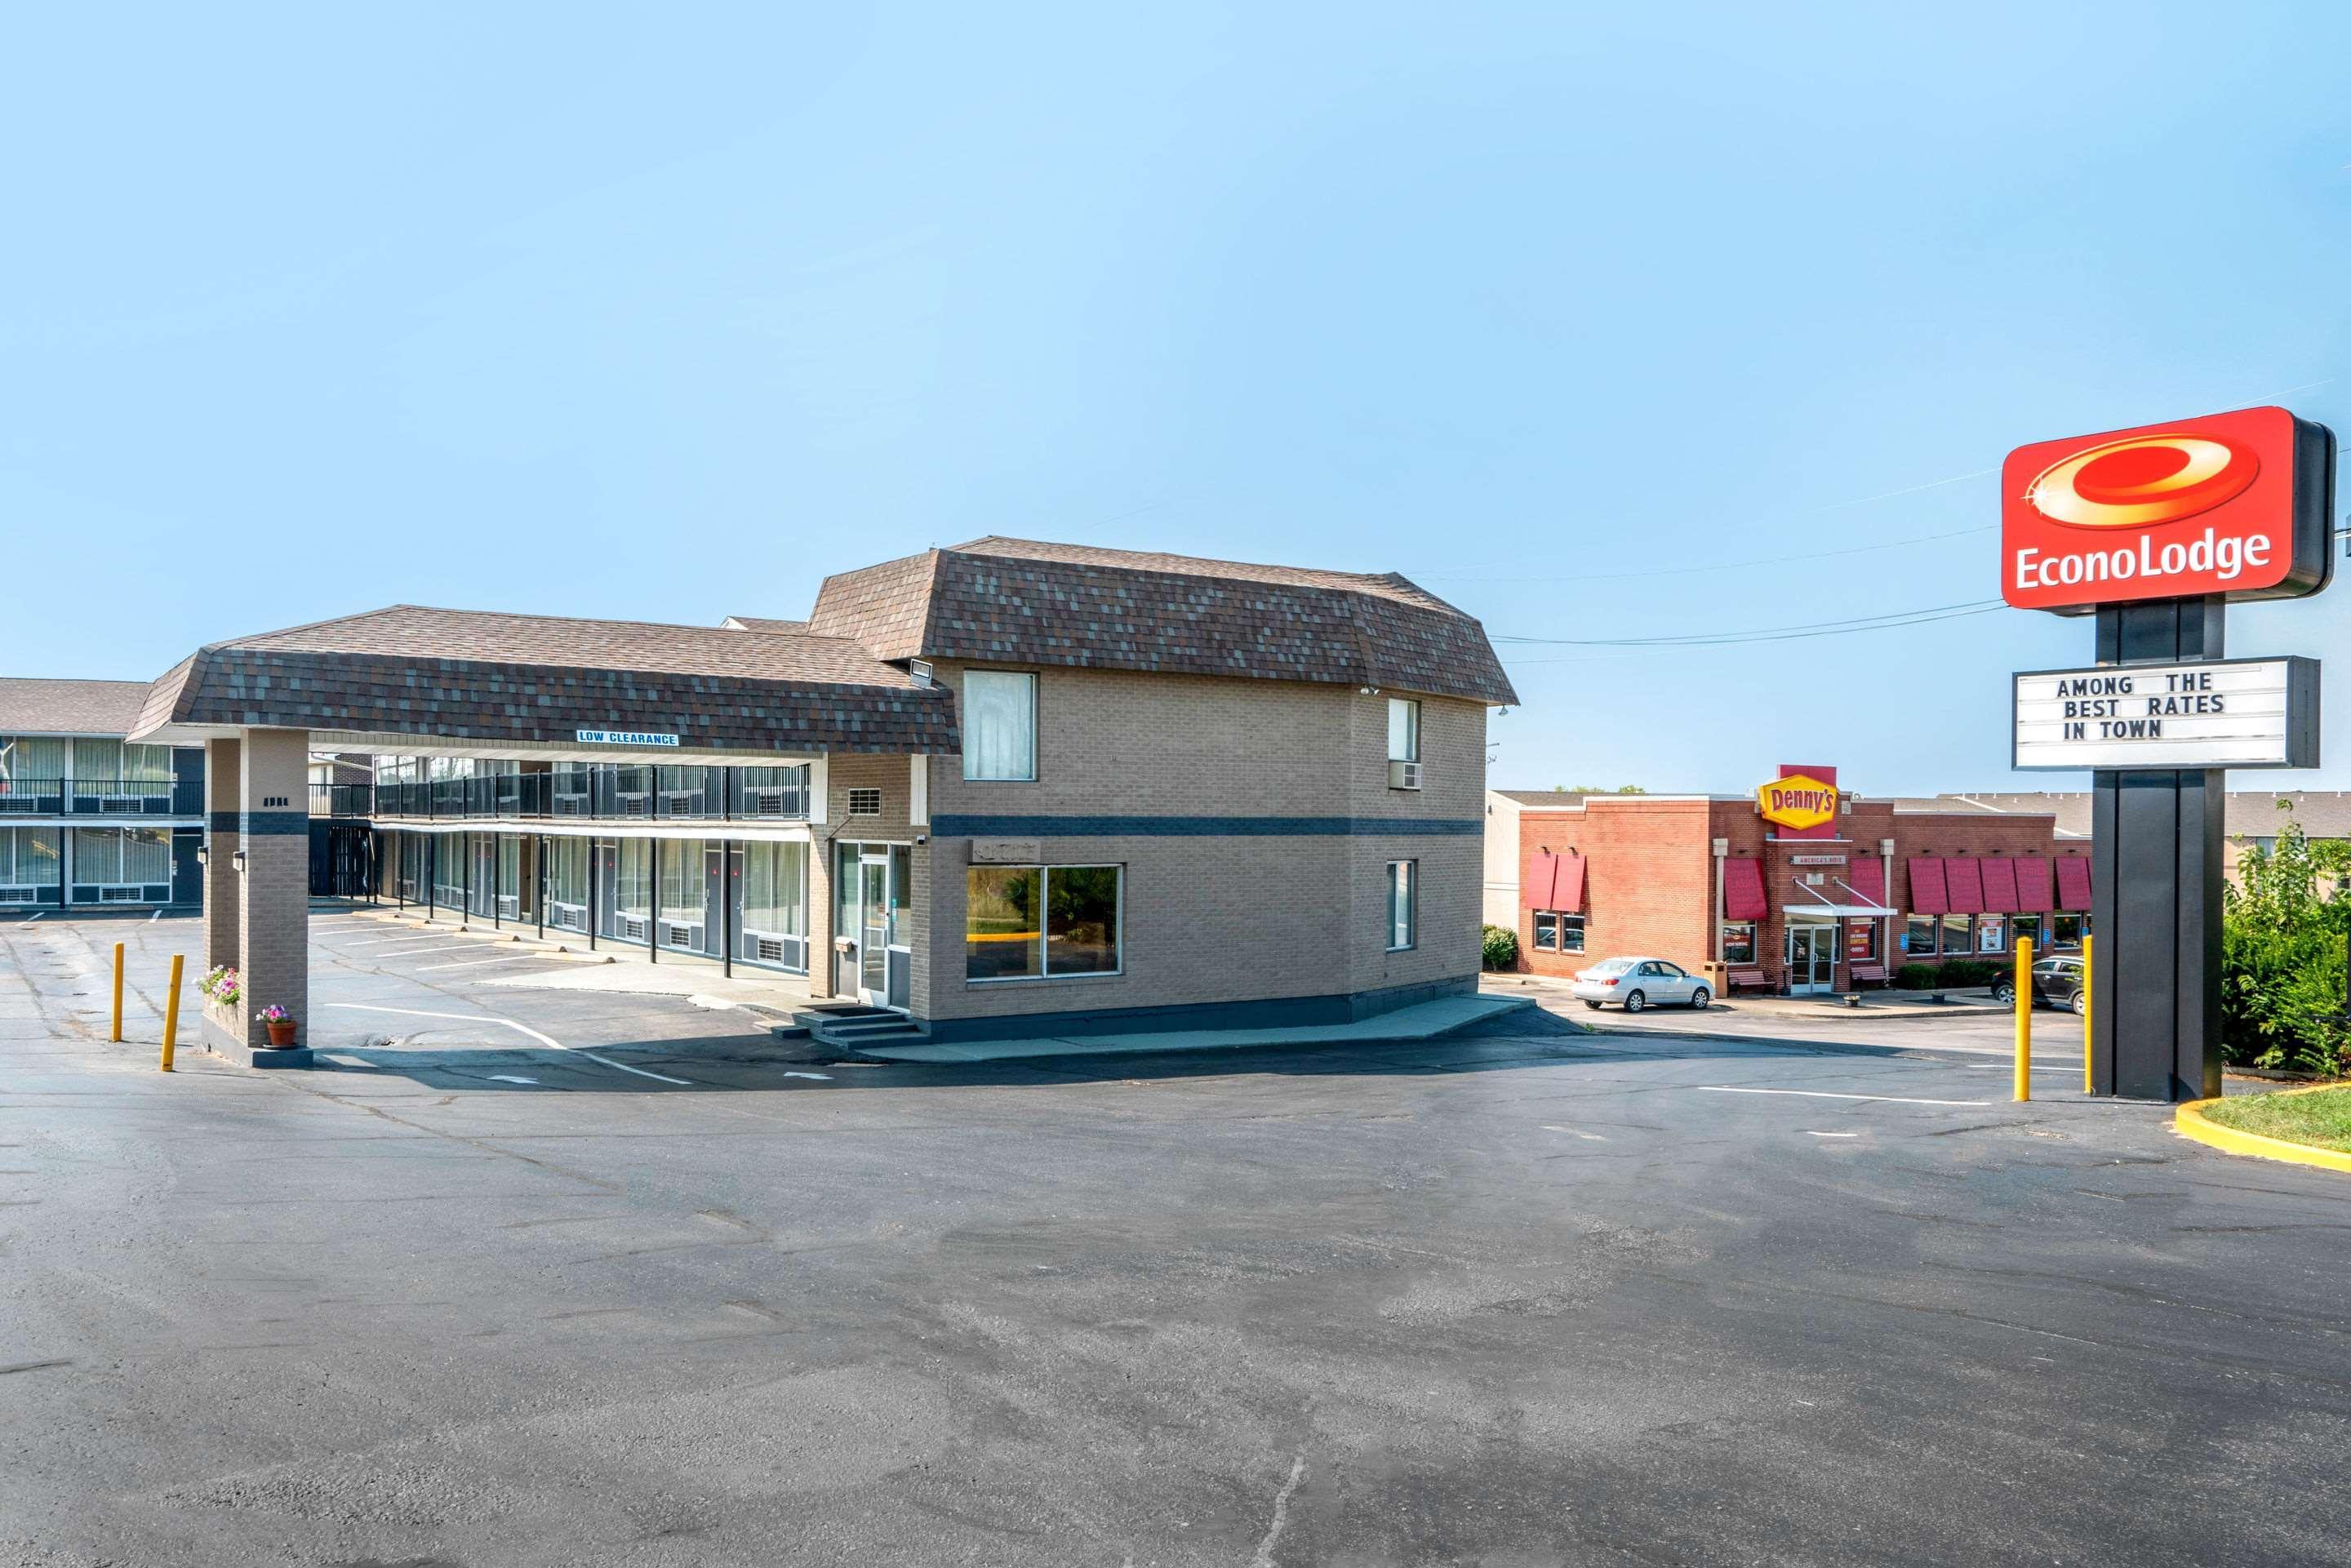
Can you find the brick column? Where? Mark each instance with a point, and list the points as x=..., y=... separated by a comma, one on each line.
x=222, y=763
x=820, y=914
x=274, y=908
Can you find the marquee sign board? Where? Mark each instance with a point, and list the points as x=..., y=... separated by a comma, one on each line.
x=2208, y=713
x=2231, y=504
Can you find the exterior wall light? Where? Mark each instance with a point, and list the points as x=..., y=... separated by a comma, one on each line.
x=237, y=859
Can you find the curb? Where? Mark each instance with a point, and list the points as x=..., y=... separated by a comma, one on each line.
x=2189, y=1121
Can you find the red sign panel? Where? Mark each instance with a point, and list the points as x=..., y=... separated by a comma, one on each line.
x=2235, y=504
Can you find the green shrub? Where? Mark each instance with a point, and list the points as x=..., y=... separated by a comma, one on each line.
x=2281, y=957
x=1501, y=948
x=1915, y=976
x=1961, y=974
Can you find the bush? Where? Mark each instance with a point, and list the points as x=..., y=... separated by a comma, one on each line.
x=2281, y=957
x=1916, y=976
x=1501, y=948
x=1961, y=974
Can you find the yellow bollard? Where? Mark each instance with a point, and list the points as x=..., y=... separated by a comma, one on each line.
x=2024, y=1019
x=172, y=1014
x=117, y=1036
x=2089, y=1000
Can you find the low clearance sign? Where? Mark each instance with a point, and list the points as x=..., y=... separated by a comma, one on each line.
x=2233, y=503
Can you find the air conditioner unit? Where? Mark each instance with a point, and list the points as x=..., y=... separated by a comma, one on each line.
x=19, y=894
x=771, y=950
x=120, y=895
x=684, y=937
x=634, y=930
x=1404, y=774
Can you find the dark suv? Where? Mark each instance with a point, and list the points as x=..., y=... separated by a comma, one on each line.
x=2056, y=983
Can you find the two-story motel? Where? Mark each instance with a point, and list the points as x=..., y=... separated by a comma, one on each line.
x=86, y=821
x=1000, y=789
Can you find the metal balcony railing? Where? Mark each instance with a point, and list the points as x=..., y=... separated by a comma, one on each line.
x=340, y=800
x=85, y=797
x=617, y=791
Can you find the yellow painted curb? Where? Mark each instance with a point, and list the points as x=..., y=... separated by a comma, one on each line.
x=2189, y=1121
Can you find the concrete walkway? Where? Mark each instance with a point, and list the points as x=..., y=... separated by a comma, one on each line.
x=1876, y=1004
x=1426, y=1020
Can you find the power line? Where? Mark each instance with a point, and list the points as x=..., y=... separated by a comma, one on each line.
x=1729, y=565
x=1667, y=645
x=1857, y=622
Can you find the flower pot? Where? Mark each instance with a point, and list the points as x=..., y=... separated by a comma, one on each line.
x=281, y=1035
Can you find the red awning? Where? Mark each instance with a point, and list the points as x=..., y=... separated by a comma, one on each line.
x=1963, y=878
x=1867, y=878
x=1998, y=886
x=1567, y=894
x=1927, y=894
x=1742, y=890
x=2073, y=882
x=1541, y=872
x=2032, y=885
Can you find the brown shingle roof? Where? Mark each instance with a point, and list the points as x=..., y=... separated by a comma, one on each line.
x=29, y=706
x=481, y=675
x=1035, y=602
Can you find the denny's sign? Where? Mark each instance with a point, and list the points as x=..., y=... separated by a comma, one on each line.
x=1802, y=801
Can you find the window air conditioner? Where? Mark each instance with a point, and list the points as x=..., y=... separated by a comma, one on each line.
x=1404, y=774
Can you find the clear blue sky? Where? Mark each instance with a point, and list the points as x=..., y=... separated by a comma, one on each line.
x=666, y=314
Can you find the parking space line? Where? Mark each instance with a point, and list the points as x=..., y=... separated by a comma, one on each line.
x=478, y=963
x=427, y=952
x=548, y=1040
x=1825, y=1094
x=401, y=941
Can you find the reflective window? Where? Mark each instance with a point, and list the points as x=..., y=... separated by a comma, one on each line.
x=1404, y=730
x=1739, y=942
x=1403, y=895
x=1042, y=921
x=1000, y=726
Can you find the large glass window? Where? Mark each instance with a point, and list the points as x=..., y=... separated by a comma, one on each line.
x=567, y=871
x=1919, y=935
x=2025, y=929
x=121, y=857
x=1957, y=936
x=28, y=857
x=451, y=870
x=96, y=759
x=1991, y=934
x=682, y=880
x=1739, y=942
x=1404, y=730
x=1546, y=933
x=2067, y=930
x=1403, y=895
x=1039, y=921
x=25, y=758
x=1000, y=726
x=775, y=889
x=1571, y=933
x=633, y=879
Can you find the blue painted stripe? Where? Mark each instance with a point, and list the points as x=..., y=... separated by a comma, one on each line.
x=950, y=826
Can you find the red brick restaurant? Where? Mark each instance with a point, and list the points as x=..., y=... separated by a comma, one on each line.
x=1830, y=892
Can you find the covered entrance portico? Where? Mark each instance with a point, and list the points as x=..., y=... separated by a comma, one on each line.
x=732, y=735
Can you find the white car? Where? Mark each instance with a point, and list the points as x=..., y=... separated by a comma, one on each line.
x=1637, y=983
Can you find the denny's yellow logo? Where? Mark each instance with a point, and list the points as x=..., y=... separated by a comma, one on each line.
x=1799, y=801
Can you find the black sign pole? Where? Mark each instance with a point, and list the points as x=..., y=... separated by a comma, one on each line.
x=2156, y=899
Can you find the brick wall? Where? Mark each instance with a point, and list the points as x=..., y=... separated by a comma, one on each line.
x=273, y=903
x=222, y=915
x=1215, y=918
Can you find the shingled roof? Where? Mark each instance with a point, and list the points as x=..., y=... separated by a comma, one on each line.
x=1035, y=602
x=30, y=707
x=538, y=679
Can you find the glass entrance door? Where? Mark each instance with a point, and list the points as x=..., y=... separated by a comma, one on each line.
x=874, y=928
x=1812, y=957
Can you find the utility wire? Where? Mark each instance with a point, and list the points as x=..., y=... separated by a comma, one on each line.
x=1636, y=646
x=1856, y=623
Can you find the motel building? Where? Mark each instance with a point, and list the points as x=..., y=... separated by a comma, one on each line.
x=88, y=821
x=1007, y=788
x=1830, y=892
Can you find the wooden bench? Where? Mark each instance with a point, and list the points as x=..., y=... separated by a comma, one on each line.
x=1869, y=974
x=1734, y=979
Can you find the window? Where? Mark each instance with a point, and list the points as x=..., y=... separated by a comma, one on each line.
x=1547, y=933
x=566, y=873
x=775, y=889
x=1861, y=941
x=681, y=878
x=1571, y=933
x=2025, y=929
x=1739, y=942
x=1956, y=934
x=1402, y=898
x=28, y=857
x=633, y=879
x=25, y=757
x=121, y=857
x=1404, y=730
x=1029, y=923
x=1000, y=726
x=865, y=802
x=1918, y=934
x=1991, y=932
x=2067, y=930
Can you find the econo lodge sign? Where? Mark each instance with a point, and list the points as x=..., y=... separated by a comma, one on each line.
x=2233, y=503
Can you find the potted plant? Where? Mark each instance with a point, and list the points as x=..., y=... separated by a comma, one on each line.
x=281, y=1026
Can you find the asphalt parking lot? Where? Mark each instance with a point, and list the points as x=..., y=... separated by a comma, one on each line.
x=641, y=1291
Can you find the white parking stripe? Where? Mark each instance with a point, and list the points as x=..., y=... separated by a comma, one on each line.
x=1825, y=1094
x=478, y=963
x=524, y=1029
x=413, y=937
x=428, y=952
